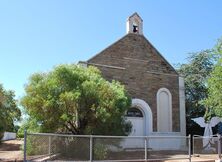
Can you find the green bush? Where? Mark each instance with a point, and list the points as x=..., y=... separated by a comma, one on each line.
x=100, y=152
x=1, y=133
x=20, y=134
x=75, y=147
x=1, y=136
x=37, y=145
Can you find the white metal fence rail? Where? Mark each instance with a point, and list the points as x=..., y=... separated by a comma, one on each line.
x=42, y=146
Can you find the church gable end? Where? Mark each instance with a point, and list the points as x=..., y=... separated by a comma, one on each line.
x=133, y=50
x=136, y=63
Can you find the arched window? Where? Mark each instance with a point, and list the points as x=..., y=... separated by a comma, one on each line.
x=164, y=110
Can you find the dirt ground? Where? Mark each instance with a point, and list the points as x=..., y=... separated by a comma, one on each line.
x=11, y=151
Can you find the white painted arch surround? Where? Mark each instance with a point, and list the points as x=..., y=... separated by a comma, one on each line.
x=147, y=113
x=160, y=120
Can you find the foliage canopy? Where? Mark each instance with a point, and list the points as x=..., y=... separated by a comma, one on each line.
x=214, y=100
x=77, y=100
x=195, y=73
x=9, y=111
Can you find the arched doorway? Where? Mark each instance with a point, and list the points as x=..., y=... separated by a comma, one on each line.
x=147, y=116
x=136, y=117
x=141, y=118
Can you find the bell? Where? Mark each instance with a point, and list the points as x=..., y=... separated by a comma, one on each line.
x=135, y=28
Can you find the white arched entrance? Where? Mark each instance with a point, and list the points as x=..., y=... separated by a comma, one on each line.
x=142, y=125
x=141, y=118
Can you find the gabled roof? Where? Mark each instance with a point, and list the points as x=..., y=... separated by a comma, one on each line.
x=110, y=46
x=132, y=47
x=135, y=13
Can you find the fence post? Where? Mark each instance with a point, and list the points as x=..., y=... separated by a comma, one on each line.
x=189, y=147
x=193, y=138
x=145, y=147
x=219, y=145
x=50, y=141
x=25, y=147
x=91, y=149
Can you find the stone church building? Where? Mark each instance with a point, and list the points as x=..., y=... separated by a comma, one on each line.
x=157, y=90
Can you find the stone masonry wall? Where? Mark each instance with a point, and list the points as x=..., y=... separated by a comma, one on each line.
x=137, y=64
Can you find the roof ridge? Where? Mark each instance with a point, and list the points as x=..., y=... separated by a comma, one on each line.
x=159, y=53
x=135, y=13
x=136, y=35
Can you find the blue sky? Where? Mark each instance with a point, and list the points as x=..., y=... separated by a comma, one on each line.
x=37, y=35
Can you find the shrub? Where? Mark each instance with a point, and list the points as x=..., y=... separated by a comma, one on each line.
x=100, y=152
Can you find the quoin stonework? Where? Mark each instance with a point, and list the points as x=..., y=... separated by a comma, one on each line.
x=157, y=90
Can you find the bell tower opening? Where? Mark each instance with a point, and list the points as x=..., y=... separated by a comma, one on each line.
x=134, y=24
x=135, y=28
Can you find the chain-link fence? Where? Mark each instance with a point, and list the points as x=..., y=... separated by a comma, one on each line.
x=207, y=146
x=58, y=147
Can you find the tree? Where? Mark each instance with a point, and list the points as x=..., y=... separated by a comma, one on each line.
x=214, y=100
x=30, y=125
x=196, y=73
x=77, y=100
x=9, y=111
